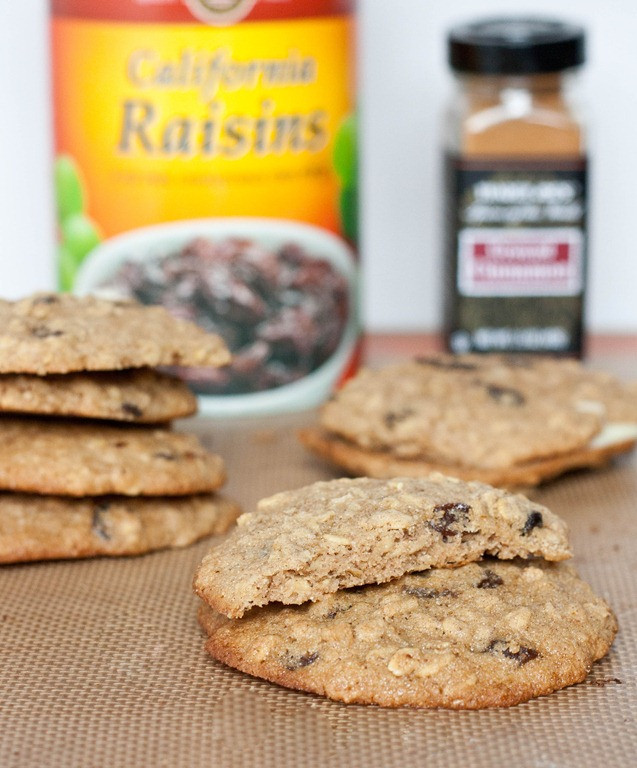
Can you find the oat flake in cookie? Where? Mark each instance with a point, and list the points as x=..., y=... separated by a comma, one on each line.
x=488, y=634
x=58, y=333
x=300, y=545
x=503, y=420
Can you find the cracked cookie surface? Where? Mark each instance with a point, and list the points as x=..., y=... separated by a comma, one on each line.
x=302, y=544
x=139, y=395
x=487, y=634
x=75, y=458
x=53, y=527
x=58, y=333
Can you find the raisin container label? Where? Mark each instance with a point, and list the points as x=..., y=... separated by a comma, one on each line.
x=516, y=255
x=206, y=160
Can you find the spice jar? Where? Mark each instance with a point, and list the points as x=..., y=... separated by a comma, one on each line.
x=516, y=188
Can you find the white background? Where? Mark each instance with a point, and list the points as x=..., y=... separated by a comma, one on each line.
x=404, y=84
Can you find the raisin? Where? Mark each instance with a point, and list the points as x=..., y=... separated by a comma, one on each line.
x=298, y=662
x=130, y=409
x=522, y=656
x=427, y=594
x=42, y=332
x=333, y=612
x=282, y=312
x=490, y=580
x=505, y=395
x=250, y=358
x=452, y=512
x=534, y=520
x=98, y=523
x=391, y=418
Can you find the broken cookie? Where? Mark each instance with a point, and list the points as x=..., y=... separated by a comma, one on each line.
x=301, y=545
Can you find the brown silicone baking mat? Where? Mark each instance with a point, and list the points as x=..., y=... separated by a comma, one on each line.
x=102, y=661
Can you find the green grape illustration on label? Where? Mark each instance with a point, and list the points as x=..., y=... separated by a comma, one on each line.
x=345, y=159
x=78, y=233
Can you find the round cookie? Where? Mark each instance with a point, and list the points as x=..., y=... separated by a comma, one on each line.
x=58, y=333
x=51, y=528
x=500, y=419
x=300, y=545
x=457, y=412
x=139, y=395
x=487, y=634
x=74, y=458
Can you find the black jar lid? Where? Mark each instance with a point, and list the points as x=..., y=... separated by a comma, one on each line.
x=516, y=46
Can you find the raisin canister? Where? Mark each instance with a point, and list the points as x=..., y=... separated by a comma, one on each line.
x=206, y=159
x=516, y=205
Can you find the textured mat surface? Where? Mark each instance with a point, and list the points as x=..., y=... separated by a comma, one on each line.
x=102, y=661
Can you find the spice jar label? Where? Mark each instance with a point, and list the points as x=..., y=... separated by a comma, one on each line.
x=524, y=262
x=516, y=255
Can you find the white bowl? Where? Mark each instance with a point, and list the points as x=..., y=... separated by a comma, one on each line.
x=153, y=243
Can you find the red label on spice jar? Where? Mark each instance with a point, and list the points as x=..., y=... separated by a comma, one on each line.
x=524, y=262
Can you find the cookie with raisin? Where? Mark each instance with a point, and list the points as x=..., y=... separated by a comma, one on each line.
x=503, y=420
x=55, y=527
x=87, y=458
x=59, y=333
x=486, y=634
x=139, y=395
x=303, y=544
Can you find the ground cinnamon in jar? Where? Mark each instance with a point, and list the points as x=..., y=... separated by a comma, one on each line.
x=516, y=188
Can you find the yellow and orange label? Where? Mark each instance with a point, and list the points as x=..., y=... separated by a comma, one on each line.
x=176, y=121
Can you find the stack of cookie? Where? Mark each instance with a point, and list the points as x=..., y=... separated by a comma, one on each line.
x=406, y=592
x=508, y=421
x=88, y=462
